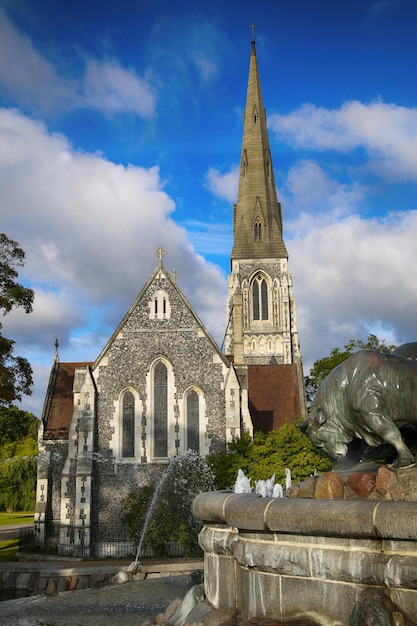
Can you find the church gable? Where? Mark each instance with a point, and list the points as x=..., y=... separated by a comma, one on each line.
x=161, y=380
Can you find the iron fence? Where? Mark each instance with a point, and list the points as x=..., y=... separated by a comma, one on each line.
x=106, y=541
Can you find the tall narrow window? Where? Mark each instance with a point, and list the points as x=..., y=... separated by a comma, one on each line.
x=264, y=293
x=160, y=403
x=128, y=425
x=159, y=306
x=258, y=230
x=260, y=299
x=193, y=422
x=255, y=299
x=244, y=164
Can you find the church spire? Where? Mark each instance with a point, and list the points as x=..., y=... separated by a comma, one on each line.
x=257, y=214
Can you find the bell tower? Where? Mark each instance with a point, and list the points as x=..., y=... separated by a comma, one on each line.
x=262, y=328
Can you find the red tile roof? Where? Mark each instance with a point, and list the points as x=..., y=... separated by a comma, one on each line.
x=60, y=401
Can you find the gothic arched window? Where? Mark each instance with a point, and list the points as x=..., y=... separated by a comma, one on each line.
x=193, y=422
x=160, y=405
x=128, y=425
x=260, y=298
x=257, y=230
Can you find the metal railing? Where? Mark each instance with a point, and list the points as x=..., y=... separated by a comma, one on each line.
x=107, y=541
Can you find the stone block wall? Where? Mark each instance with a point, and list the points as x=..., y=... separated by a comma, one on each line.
x=287, y=559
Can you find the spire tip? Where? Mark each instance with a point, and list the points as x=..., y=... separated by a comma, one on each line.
x=253, y=26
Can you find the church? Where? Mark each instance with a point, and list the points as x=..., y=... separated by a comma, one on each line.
x=161, y=385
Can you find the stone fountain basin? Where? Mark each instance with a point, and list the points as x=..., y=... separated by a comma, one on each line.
x=291, y=558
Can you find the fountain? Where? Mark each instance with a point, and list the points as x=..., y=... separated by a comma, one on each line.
x=182, y=478
x=325, y=554
x=265, y=488
x=136, y=565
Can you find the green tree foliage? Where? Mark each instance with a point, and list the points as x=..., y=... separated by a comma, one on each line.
x=265, y=455
x=18, y=484
x=18, y=459
x=15, y=371
x=16, y=425
x=322, y=367
x=171, y=519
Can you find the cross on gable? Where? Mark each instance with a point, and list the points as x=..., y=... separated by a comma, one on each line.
x=160, y=253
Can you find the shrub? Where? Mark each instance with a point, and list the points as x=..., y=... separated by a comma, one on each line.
x=268, y=454
x=169, y=503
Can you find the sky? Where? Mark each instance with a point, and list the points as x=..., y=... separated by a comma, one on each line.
x=120, y=131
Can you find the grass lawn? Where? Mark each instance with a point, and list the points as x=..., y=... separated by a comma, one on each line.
x=15, y=518
x=9, y=547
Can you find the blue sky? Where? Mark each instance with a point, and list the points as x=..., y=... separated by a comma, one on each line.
x=120, y=131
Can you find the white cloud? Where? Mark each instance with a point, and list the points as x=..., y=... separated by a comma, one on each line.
x=207, y=68
x=223, y=186
x=309, y=188
x=352, y=277
x=386, y=132
x=112, y=89
x=28, y=78
x=89, y=229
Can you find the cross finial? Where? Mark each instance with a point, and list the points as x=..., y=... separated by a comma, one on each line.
x=253, y=26
x=160, y=253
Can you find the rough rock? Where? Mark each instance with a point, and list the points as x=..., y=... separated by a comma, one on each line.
x=398, y=484
x=169, y=611
x=384, y=484
x=329, y=485
x=194, y=596
x=374, y=608
x=387, y=484
x=121, y=577
x=196, y=616
x=307, y=488
x=362, y=484
x=263, y=621
x=218, y=617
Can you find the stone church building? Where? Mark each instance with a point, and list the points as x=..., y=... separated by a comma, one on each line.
x=161, y=385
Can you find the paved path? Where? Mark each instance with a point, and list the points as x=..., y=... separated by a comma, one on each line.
x=127, y=604
x=11, y=531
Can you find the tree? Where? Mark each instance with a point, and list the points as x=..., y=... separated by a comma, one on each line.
x=16, y=424
x=268, y=454
x=15, y=371
x=18, y=459
x=322, y=367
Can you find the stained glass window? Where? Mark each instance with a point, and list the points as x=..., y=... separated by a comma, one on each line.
x=160, y=410
x=128, y=425
x=193, y=426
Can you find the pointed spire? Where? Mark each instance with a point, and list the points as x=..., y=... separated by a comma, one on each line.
x=257, y=218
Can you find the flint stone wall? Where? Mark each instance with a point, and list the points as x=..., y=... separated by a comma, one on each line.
x=286, y=559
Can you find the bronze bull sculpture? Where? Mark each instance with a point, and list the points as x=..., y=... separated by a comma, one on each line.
x=370, y=396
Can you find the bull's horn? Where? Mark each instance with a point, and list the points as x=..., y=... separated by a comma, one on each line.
x=303, y=425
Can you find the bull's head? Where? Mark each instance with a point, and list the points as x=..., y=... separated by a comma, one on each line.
x=325, y=433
